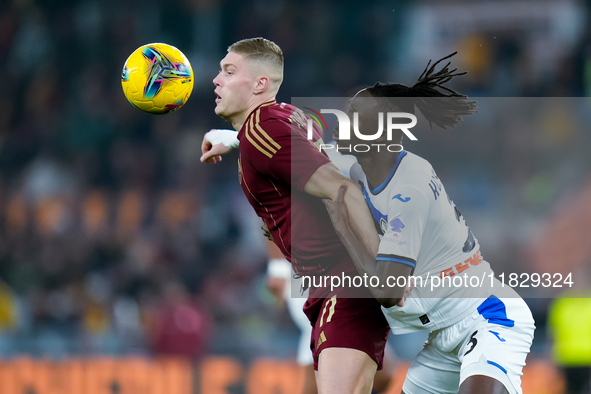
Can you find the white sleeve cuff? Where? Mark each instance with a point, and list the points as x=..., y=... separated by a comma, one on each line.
x=223, y=136
x=279, y=268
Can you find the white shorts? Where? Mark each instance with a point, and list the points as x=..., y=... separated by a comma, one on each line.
x=493, y=341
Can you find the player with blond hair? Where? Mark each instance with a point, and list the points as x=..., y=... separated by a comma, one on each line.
x=284, y=177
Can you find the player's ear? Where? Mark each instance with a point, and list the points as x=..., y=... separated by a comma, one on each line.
x=261, y=84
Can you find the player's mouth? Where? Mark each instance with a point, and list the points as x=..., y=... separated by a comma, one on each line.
x=218, y=98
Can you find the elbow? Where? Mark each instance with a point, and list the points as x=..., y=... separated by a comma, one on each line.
x=350, y=183
x=346, y=183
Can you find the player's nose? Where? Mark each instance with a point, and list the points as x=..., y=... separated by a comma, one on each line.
x=216, y=80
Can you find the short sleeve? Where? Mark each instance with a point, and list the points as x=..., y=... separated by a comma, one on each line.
x=403, y=226
x=355, y=173
x=293, y=158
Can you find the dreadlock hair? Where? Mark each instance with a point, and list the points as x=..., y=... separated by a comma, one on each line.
x=445, y=112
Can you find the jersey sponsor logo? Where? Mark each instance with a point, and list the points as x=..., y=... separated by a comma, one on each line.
x=397, y=226
x=399, y=197
x=396, y=241
x=473, y=261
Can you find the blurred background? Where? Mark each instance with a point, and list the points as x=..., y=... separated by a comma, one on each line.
x=117, y=243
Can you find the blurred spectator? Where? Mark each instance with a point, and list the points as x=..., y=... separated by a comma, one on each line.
x=177, y=326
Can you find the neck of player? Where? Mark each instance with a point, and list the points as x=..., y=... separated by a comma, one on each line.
x=239, y=119
x=377, y=166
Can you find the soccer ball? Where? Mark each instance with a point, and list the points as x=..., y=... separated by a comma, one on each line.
x=157, y=78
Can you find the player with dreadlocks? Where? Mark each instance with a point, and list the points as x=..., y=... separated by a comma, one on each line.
x=479, y=338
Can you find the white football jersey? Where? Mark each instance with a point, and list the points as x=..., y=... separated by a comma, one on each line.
x=420, y=226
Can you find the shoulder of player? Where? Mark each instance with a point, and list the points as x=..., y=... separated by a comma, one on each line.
x=274, y=119
x=416, y=163
x=276, y=112
x=266, y=129
x=356, y=172
x=415, y=175
x=415, y=169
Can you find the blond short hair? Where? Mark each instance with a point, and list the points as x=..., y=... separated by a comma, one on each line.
x=262, y=51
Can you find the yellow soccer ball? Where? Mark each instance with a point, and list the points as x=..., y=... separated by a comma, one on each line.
x=157, y=78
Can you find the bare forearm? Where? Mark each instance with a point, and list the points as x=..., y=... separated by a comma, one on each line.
x=366, y=263
x=326, y=182
x=361, y=221
x=363, y=260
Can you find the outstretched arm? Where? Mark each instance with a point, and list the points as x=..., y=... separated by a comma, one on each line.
x=364, y=261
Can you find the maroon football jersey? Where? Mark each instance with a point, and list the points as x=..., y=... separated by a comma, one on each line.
x=276, y=160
